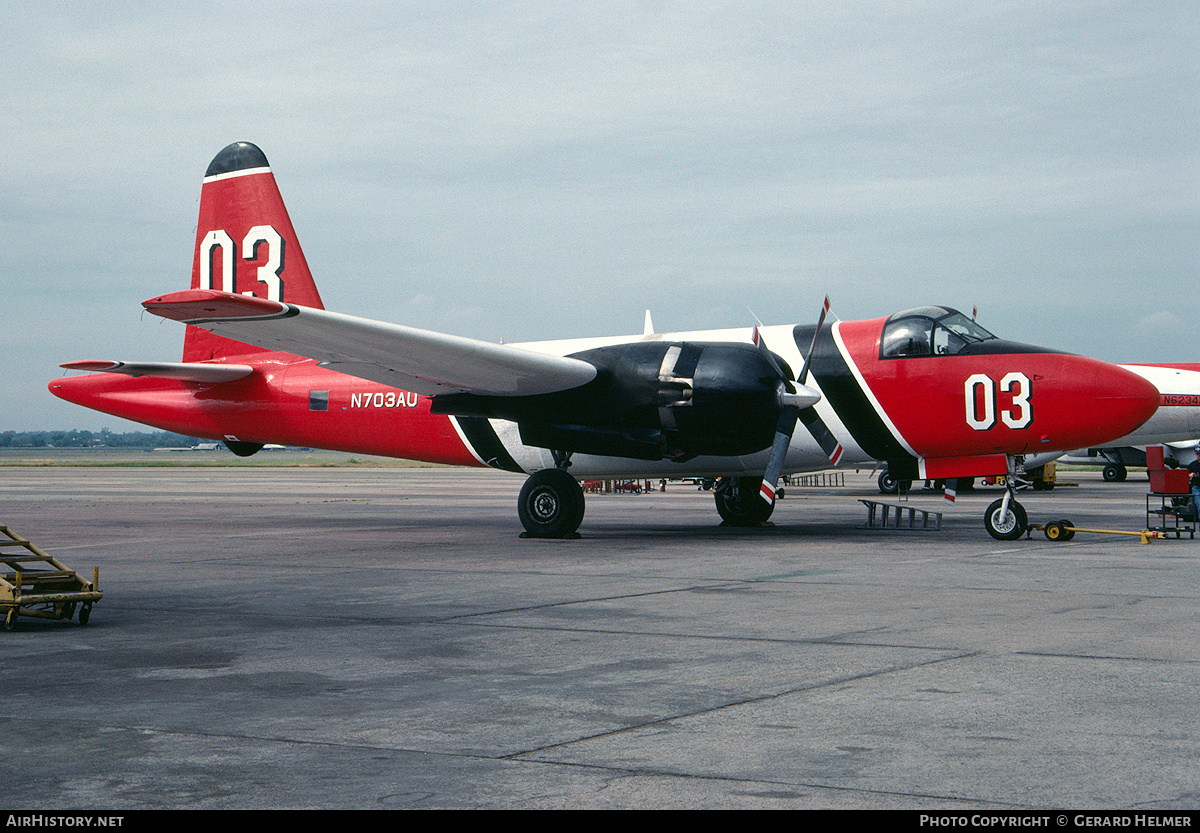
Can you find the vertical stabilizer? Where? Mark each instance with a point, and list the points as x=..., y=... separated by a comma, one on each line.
x=245, y=244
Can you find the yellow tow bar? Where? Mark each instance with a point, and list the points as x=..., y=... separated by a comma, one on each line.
x=1064, y=530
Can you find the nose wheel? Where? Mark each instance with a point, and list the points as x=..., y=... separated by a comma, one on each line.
x=1005, y=520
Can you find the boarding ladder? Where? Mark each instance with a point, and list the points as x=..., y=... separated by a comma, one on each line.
x=37, y=584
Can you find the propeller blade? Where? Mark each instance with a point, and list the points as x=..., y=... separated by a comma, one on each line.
x=792, y=399
x=808, y=358
x=756, y=337
x=783, y=438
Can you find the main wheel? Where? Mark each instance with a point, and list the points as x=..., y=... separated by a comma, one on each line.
x=888, y=485
x=1115, y=473
x=551, y=504
x=738, y=501
x=1008, y=527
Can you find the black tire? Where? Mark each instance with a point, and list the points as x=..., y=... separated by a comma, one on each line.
x=1114, y=473
x=1068, y=529
x=1055, y=532
x=1009, y=528
x=85, y=613
x=738, y=501
x=890, y=486
x=551, y=504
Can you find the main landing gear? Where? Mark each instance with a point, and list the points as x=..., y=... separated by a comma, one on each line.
x=889, y=485
x=738, y=501
x=551, y=502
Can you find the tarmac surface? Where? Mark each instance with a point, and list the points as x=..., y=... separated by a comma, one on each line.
x=382, y=638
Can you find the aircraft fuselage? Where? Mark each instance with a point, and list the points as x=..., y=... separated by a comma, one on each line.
x=933, y=411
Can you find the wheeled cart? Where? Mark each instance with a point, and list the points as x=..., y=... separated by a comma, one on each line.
x=1169, y=514
x=1167, y=502
x=37, y=584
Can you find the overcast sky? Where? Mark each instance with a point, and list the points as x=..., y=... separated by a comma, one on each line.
x=531, y=170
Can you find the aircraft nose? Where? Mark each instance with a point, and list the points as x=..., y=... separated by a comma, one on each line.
x=1120, y=401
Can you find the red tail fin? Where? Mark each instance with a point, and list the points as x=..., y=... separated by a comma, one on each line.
x=245, y=244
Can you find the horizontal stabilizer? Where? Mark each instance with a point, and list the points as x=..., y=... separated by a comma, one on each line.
x=402, y=357
x=181, y=371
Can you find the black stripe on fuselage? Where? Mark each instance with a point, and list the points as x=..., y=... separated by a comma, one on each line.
x=484, y=442
x=847, y=399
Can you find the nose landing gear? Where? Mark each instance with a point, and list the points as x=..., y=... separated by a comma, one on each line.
x=1005, y=519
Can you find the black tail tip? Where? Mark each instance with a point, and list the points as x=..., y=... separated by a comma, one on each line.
x=239, y=156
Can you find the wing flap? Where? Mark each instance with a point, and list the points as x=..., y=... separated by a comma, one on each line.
x=181, y=371
x=411, y=359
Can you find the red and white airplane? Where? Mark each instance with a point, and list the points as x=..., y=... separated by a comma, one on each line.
x=928, y=390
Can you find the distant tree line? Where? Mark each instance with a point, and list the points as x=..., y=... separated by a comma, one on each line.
x=95, y=439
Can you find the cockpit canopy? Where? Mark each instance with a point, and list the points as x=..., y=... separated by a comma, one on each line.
x=929, y=331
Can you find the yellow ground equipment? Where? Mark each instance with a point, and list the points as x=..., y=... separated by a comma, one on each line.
x=1064, y=530
x=39, y=585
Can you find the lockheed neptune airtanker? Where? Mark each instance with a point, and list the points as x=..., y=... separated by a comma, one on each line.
x=928, y=391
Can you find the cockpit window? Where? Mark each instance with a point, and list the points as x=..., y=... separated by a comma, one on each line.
x=907, y=337
x=929, y=331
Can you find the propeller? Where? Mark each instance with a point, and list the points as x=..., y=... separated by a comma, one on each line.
x=792, y=399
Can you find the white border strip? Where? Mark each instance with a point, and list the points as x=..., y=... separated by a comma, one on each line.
x=232, y=174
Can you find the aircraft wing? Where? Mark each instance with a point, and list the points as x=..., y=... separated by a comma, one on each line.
x=182, y=371
x=402, y=357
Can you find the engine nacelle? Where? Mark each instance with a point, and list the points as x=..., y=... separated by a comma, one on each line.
x=650, y=400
